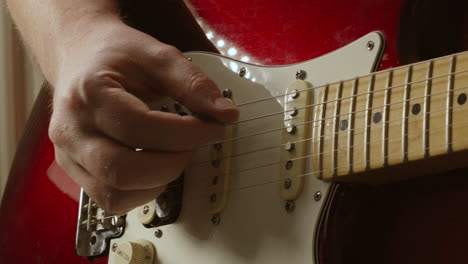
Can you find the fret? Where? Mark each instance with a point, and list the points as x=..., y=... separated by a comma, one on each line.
x=385, y=118
x=323, y=109
x=352, y=114
x=427, y=108
x=367, y=130
x=393, y=117
x=449, y=106
x=405, y=116
x=336, y=113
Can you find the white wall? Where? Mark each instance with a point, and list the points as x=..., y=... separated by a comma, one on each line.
x=19, y=84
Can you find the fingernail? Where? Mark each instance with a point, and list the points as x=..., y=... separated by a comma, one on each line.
x=224, y=103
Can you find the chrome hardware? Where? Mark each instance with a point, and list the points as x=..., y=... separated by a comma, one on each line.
x=289, y=146
x=117, y=221
x=146, y=209
x=291, y=129
x=370, y=45
x=227, y=93
x=317, y=196
x=300, y=75
x=95, y=228
x=290, y=206
x=242, y=72
x=158, y=233
x=114, y=247
x=189, y=58
x=289, y=164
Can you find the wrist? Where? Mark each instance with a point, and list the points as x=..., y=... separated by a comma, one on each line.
x=78, y=39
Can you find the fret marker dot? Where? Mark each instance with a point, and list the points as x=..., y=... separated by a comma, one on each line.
x=416, y=109
x=461, y=99
x=343, y=125
x=377, y=117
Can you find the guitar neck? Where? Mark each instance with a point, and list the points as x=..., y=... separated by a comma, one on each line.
x=391, y=117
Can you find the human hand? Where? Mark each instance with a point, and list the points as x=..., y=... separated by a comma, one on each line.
x=100, y=116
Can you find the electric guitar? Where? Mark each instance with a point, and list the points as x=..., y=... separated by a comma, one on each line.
x=337, y=157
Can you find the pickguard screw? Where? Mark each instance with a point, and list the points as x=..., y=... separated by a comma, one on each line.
x=291, y=129
x=289, y=164
x=289, y=146
x=114, y=247
x=189, y=58
x=300, y=75
x=158, y=233
x=242, y=72
x=290, y=206
x=146, y=209
x=227, y=93
x=370, y=45
x=318, y=196
x=287, y=184
x=215, y=219
x=294, y=94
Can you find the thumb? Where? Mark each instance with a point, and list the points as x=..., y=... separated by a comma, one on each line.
x=186, y=83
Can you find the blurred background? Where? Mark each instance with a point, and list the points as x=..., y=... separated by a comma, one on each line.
x=20, y=82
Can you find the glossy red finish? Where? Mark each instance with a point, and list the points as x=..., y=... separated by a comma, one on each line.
x=283, y=32
x=37, y=220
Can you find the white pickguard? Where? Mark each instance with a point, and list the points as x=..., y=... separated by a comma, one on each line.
x=254, y=227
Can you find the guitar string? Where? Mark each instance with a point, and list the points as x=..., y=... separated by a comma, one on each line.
x=238, y=172
x=344, y=98
x=206, y=195
x=304, y=175
x=332, y=117
x=233, y=172
x=314, y=139
x=313, y=105
x=364, y=76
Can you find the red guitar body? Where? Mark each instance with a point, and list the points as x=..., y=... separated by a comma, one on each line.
x=421, y=221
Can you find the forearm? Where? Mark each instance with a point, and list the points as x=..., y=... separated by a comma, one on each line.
x=51, y=27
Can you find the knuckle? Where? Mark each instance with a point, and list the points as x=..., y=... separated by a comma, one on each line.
x=91, y=83
x=199, y=83
x=168, y=52
x=163, y=54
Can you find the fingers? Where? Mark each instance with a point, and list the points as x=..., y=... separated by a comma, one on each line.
x=126, y=119
x=110, y=199
x=120, y=167
x=186, y=83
